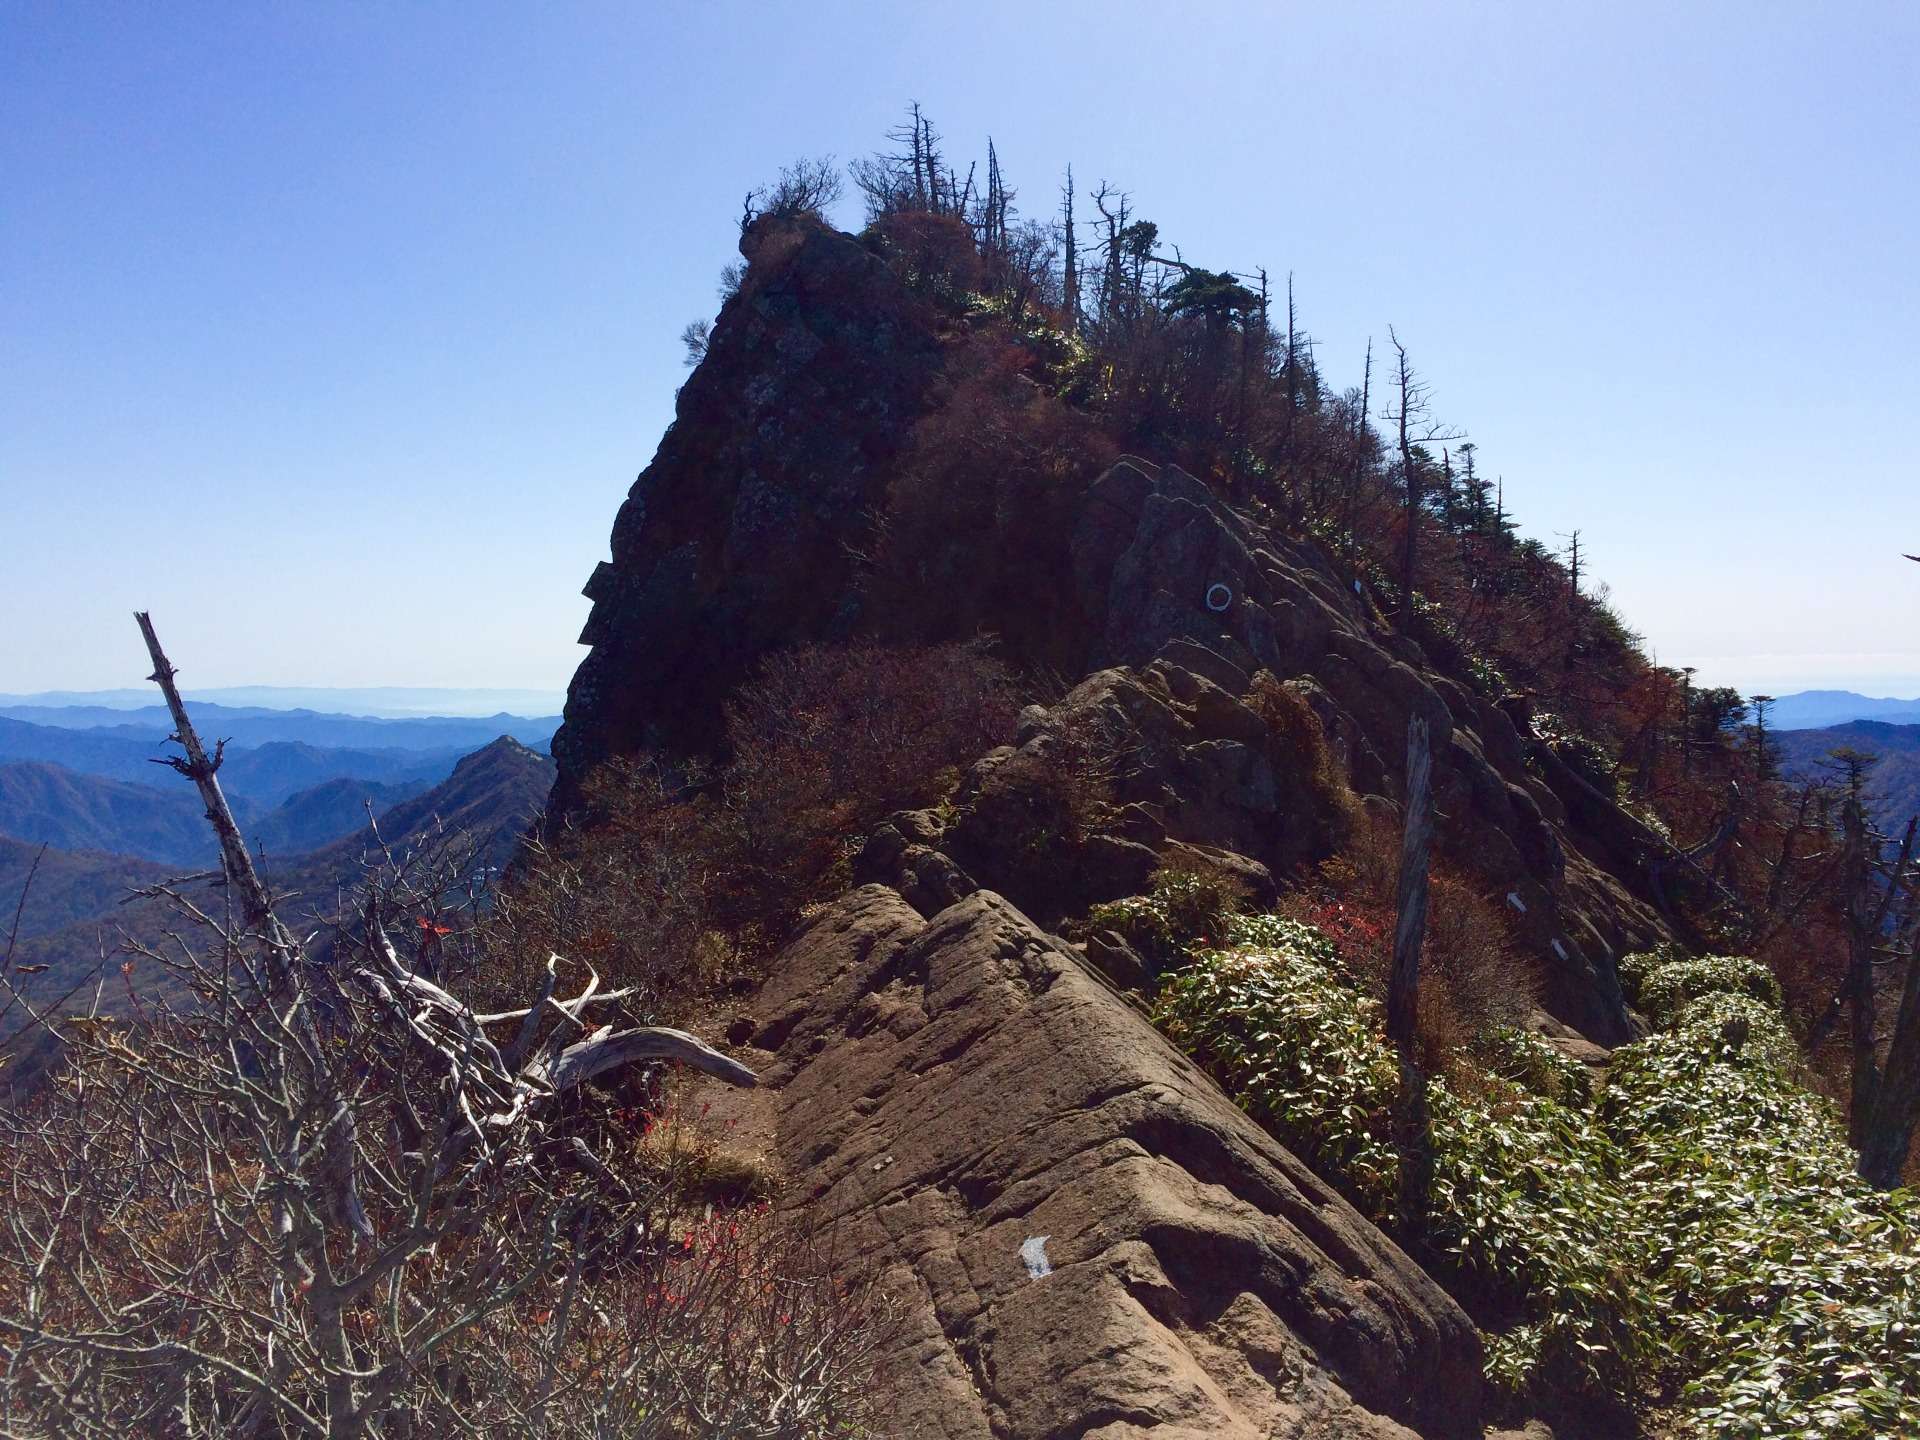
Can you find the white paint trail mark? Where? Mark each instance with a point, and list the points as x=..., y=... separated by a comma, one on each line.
x=1034, y=1252
x=1513, y=899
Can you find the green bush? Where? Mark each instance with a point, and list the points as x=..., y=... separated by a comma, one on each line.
x=1695, y=1232
x=1789, y=1284
x=1185, y=905
x=1290, y=1036
x=1527, y=1060
x=1635, y=968
x=1518, y=1178
x=1672, y=985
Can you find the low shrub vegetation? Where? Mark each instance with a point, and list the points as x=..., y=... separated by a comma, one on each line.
x=1185, y=904
x=678, y=878
x=195, y=1243
x=1689, y=1233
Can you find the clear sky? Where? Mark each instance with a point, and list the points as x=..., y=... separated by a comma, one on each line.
x=334, y=333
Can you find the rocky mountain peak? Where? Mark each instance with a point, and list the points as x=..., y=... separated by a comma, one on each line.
x=822, y=482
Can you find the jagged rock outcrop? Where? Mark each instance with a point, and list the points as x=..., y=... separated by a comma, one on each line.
x=735, y=539
x=744, y=536
x=1152, y=545
x=1186, y=771
x=968, y=1104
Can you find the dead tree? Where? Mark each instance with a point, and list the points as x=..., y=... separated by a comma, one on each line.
x=910, y=178
x=1070, y=273
x=992, y=223
x=1411, y=413
x=1403, y=982
x=1357, y=461
x=1779, y=909
x=1291, y=372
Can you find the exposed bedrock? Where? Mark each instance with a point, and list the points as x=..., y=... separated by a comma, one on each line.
x=1085, y=1236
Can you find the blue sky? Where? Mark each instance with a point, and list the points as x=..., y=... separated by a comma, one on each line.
x=334, y=334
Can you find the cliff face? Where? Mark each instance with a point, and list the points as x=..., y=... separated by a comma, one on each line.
x=952, y=1080
x=734, y=540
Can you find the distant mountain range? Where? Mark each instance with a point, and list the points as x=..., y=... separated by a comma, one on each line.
x=1814, y=709
x=44, y=803
x=331, y=809
x=491, y=796
x=76, y=909
x=257, y=725
x=266, y=774
x=1893, y=785
x=82, y=777
x=390, y=701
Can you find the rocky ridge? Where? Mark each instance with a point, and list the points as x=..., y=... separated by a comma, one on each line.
x=953, y=1080
x=742, y=536
x=1083, y=1236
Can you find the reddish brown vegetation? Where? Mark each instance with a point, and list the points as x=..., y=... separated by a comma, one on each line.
x=1473, y=978
x=974, y=529
x=679, y=876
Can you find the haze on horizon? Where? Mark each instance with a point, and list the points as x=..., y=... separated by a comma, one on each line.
x=335, y=335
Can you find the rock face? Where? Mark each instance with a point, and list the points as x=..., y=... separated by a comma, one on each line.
x=1188, y=772
x=1085, y=1237
x=1151, y=548
x=734, y=540
x=741, y=537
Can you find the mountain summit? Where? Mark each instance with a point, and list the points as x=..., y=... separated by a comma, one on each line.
x=864, y=458
x=783, y=507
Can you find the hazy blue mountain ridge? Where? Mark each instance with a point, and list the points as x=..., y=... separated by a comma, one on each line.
x=324, y=813
x=1816, y=709
x=76, y=909
x=254, y=725
x=267, y=773
x=390, y=701
x=45, y=803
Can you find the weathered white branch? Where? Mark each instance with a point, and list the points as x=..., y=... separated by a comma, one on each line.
x=600, y=1053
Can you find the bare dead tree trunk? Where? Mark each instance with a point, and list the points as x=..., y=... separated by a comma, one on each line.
x=1358, y=466
x=1403, y=983
x=256, y=905
x=1292, y=374
x=1070, y=280
x=1896, y=1111
x=1782, y=864
x=302, y=1052
x=1860, y=987
x=1410, y=476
